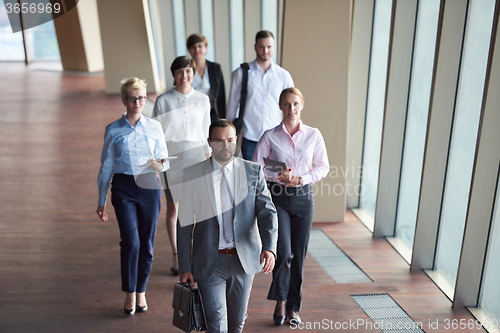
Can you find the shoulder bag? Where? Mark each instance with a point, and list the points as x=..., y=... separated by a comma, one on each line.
x=238, y=122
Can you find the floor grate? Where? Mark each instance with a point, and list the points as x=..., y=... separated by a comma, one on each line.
x=386, y=314
x=334, y=261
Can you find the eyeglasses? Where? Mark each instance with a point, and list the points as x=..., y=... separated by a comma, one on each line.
x=141, y=99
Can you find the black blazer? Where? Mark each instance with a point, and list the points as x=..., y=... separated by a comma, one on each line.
x=217, y=91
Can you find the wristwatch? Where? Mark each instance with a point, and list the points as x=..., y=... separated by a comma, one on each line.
x=301, y=182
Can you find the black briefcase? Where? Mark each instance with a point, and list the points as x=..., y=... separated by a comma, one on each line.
x=188, y=308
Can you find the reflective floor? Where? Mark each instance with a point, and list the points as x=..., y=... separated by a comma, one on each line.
x=59, y=264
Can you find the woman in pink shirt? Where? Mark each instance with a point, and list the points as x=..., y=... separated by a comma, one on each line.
x=300, y=147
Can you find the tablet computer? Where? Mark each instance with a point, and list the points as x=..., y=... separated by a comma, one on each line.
x=159, y=160
x=273, y=165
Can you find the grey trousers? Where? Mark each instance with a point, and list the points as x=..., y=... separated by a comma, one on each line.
x=225, y=295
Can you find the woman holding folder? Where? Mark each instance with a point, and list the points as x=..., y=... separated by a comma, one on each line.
x=134, y=151
x=303, y=150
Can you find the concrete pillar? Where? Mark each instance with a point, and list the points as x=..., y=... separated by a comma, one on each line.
x=315, y=50
x=79, y=38
x=127, y=43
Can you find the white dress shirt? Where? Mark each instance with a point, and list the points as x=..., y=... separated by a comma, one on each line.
x=262, y=110
x=185, y=119
x=202, y=84
x=127, y=148
x=217, y=176
x=300, y=151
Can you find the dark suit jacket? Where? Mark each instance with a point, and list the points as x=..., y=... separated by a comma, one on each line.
x=255, y=219
x=217, y=91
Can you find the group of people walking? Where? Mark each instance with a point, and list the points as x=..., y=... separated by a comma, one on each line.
x=228, y=218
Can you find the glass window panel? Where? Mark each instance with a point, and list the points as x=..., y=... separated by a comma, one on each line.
x=270, y=19
x=155, y=28
x=490, y=293
x=237, y=33
x=416, y=120
x=11, y=44
x=179, y=27
x=375, y=104
x=42, y=41
x=207, y=27
x=463, y=139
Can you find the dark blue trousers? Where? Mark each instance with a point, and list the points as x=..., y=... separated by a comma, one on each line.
x=295, y=206
x=247, y=149
x=137, y=211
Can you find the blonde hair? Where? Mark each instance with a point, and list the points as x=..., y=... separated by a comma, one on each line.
x=132, y=83
x=291, y=90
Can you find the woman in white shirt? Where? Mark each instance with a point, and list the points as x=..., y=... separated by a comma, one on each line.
x=184, y=114
x=134, y=150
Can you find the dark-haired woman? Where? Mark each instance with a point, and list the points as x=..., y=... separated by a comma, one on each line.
x=184, y=114
x=208, y=77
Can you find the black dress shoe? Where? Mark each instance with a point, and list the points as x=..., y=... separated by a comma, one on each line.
x=175, y=271
x=141, y=308
x=278, y=320
x=295, y=320
x=128, y=312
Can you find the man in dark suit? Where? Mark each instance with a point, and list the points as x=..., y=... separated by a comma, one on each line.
x=228, y=226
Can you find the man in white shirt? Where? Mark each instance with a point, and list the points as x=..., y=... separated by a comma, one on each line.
x=266, y=80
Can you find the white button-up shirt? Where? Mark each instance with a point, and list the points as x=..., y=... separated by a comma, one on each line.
x=262, y=110
x=202, y=84
x=184, y=117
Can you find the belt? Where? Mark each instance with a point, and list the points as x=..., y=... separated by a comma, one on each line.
x=230, y=252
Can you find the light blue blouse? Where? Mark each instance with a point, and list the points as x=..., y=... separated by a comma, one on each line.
x=127, y=149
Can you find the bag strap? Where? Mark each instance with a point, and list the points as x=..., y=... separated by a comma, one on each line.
x=243, y=98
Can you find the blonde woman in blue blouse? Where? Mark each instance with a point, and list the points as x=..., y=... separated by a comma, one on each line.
x=134, y=151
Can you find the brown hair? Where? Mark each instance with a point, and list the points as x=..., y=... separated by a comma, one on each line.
x=181, y=62
x=221, y=122
x=194, y=39
x=263, y=34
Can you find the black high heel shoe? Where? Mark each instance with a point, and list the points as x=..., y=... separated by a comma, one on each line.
x=128, y=312
x=279, y=320
x=294, y=320
x=174, y=271
x=141, y=308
